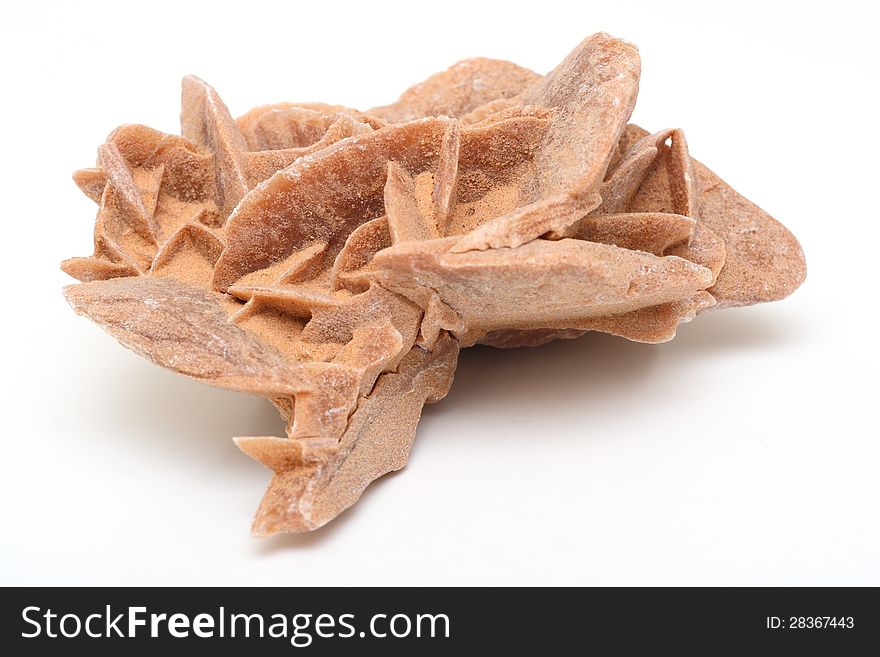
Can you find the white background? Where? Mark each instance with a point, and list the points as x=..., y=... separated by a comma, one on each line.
x=744, y=452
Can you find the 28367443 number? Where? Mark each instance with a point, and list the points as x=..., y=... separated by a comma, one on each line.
x=820, y=622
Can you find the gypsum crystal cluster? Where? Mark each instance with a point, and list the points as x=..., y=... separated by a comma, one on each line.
x=335, y=261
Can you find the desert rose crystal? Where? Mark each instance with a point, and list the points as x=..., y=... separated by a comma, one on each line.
x=335, y=261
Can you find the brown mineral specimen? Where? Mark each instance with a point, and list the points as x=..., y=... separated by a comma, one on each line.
x=335, y=261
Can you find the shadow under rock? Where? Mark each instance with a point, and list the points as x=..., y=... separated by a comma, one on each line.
x=737, y=329
x=583, y=371
x=596, y=368
x=192, y=419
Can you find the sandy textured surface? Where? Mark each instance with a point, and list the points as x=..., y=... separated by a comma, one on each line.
x=335, y=261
